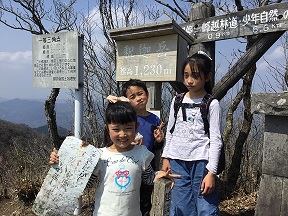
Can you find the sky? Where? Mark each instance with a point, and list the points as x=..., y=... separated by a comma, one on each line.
x=16, y=64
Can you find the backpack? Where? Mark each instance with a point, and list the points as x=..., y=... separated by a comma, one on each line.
x=204, y=108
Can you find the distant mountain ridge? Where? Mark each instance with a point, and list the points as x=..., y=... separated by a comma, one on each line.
x=44, y=130
x=31, y=113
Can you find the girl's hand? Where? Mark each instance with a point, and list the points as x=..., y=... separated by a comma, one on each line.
x=158, y=133
x=208, y=183
x=137, y=142
x=138, y=139
x=54, y=158
x=167, y=175
x=165, y=164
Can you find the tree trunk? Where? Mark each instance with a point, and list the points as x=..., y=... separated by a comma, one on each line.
x=245, y=94
x=51, y=117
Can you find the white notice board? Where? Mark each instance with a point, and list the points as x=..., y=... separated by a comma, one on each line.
x=62, y=186
x=55, y=60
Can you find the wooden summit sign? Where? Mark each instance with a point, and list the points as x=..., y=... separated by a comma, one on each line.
x=271, y=18
x=155, y=52
x=150, y=52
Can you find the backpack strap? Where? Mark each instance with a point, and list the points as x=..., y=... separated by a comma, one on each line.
x=204, y=108
x=177, y=104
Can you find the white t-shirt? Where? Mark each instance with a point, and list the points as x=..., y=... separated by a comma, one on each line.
x=189, y=141
x=120, y=178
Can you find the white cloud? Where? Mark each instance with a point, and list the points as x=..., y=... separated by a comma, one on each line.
x=262, y=65
x=16, y=57
x=15, y=64
x=274, y=56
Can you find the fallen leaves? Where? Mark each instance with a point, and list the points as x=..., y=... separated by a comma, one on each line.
x=239, y=205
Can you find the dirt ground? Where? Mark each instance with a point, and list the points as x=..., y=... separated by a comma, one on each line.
x=11, y=207
x=239, y=205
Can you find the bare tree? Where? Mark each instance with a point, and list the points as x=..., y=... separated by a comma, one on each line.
x=99, y=51
x=233, y=174
x=100, y=58
x=276, y=72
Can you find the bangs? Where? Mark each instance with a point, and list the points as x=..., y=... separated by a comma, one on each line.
x=120, y=116
x=120, y=113
x=197, y=65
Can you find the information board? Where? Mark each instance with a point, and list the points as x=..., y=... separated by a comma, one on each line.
x=64, y=184
x=55, y=60
x=148, y=59
x=270, y=18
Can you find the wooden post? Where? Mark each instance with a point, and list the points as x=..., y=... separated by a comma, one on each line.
x=154, y=89
x=154, y=104
x=240, y=68
x=161, y=198
x=199, y=11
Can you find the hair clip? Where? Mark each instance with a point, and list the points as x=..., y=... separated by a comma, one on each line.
x=205, y=54
x=114, y=99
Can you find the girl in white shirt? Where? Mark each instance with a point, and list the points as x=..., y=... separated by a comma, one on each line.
x=122, y=165
x=188, y=150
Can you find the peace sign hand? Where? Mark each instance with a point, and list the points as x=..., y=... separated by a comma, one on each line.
x=158, y=133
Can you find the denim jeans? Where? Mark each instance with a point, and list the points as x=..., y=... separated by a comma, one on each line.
x=186, y=198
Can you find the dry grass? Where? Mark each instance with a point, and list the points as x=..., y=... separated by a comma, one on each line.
x=23, y=167
x=243, y=205
x=239, y=205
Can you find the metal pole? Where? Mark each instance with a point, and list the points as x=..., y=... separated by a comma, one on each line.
x=78, y=123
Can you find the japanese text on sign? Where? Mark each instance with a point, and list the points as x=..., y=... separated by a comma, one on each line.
x=55, y=60
x=261, y=20
x=147, y=58
x=62, y=186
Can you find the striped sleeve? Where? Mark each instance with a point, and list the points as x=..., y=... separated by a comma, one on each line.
x=148, y=176
x=91, y=181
